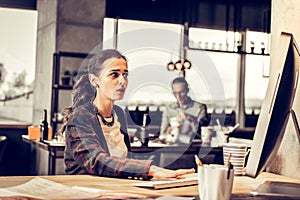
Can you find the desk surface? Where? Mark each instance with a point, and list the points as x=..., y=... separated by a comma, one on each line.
x=59, y=146
x=215, y=154
x=241, y=189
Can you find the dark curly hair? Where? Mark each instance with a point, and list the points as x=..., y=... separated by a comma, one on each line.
x=83, y=91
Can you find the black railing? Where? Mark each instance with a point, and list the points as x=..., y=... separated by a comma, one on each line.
x=10, y=98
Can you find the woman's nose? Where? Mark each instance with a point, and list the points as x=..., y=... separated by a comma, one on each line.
x=122, y=80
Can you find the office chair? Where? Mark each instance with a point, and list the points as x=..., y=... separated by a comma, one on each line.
x=3, y=141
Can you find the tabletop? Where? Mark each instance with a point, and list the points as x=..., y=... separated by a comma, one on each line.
x=241, y=188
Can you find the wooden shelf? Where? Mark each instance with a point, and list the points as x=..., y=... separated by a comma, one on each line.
x=225, y=51
x=56, y=76
x=63, y=87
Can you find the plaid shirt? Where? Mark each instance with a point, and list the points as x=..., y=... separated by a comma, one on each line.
x=86, y=149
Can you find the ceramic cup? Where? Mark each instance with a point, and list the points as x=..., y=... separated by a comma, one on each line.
x=238, y=156
x=215, y=182
x=206, y=135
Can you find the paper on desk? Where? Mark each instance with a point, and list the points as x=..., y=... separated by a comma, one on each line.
x=174, y=198
x=46, y=189
x=55, y=142
x=6, y=193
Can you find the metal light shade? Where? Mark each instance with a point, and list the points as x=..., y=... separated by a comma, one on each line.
x=171, y=66
x=178, y=65
x=187, y=64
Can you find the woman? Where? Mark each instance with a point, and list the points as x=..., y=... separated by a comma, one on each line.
x=96, y=132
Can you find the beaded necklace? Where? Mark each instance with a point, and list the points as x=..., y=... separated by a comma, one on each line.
x=109, y=124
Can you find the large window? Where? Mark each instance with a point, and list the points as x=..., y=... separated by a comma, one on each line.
x=224, y=64
x=148, y=47
x=17, y=65
x=213, y=77
x=257, y=71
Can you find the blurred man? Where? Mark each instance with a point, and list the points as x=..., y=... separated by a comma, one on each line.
x=182, y=120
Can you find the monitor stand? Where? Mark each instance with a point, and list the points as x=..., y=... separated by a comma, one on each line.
x=278, y=188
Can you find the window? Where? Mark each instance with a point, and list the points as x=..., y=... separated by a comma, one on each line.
x=17, y=65
x=227, y=64
x=224, y=65
x=148, y=49
x=257, y=71
x=213, y=77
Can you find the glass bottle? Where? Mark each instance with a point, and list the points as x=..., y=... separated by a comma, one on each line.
x=44, y=127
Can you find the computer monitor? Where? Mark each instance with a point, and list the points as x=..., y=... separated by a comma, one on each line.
x=276, y=107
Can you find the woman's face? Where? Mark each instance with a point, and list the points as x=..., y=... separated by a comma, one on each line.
x=112, y=80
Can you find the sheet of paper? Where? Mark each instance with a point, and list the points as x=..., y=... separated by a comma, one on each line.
x=55, y=142
x=7, y=193
x=45, y=189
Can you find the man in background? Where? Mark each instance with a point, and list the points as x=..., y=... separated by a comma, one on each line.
x=182, y=120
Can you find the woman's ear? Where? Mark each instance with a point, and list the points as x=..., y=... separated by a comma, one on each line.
x=93, y=80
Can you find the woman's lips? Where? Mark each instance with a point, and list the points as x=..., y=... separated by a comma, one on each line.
x=121, y=90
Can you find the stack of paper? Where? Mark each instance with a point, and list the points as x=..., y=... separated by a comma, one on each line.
x=44, y=189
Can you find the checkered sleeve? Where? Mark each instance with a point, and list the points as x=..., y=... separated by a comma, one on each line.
x=87, y=153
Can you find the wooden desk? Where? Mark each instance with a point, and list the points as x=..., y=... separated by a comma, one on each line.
x=241, y=188
x=56, y=151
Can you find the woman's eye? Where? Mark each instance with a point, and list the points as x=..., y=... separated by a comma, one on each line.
x=118, y=74
x=115, y=74
x=125, y=75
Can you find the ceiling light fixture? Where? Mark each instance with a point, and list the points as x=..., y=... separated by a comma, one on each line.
x=171, y=66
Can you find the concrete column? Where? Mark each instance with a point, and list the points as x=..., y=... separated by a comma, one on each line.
x=241, y=75
x=68, y=25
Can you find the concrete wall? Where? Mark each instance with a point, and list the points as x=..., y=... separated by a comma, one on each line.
x=46, y=46
x=285, y=17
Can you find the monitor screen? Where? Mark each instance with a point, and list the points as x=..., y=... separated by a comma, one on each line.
x=276, y=106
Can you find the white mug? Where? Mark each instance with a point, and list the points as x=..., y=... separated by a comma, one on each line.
x=215, y=182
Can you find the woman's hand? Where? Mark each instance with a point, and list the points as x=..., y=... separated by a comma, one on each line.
x=158, y=172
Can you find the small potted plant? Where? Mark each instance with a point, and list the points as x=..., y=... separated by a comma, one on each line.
x=213, y=45
x=262, y=48
x=66, y=78
x=252, y=46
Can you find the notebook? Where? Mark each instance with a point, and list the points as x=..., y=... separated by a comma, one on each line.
x=277, y=188
x=167, y=183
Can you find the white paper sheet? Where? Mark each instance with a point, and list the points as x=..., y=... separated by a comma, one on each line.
x=46, y=189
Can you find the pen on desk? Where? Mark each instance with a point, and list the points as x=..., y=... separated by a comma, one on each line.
x=198, y=161
x=229, y=165
x=228, y=160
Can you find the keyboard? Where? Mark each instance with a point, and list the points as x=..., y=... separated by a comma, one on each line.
x=167, y=183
